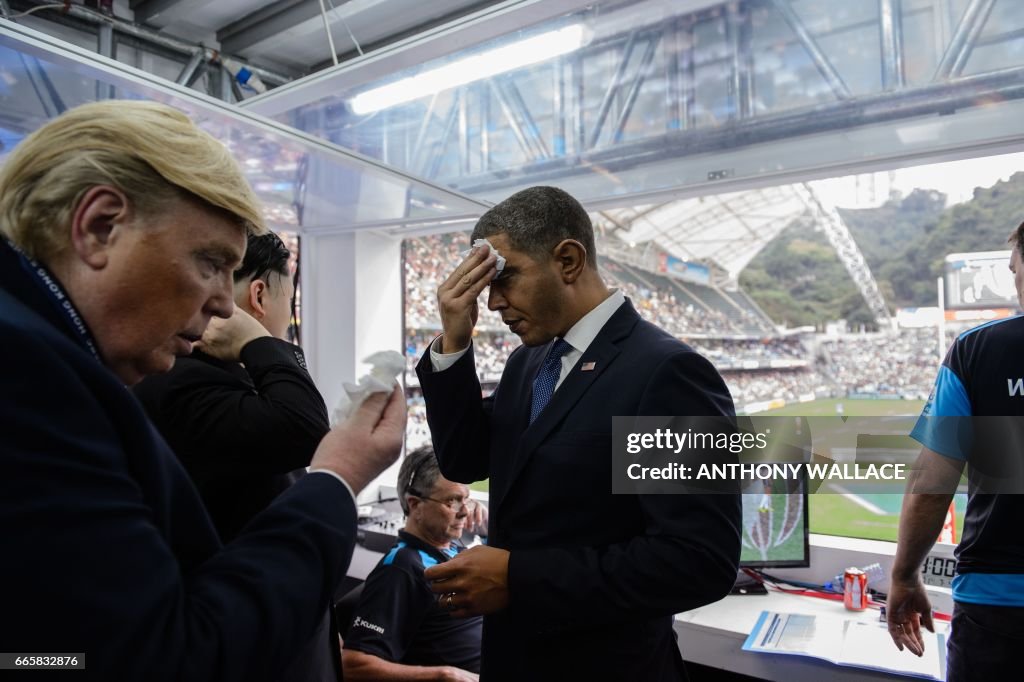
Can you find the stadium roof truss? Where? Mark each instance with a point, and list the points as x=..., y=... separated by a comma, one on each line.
x=683, y=121
x=726, y=230
x=656, y=100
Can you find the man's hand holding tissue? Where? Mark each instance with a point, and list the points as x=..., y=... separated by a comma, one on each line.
x=368, y=442
x=456, y=297
x=476, y=580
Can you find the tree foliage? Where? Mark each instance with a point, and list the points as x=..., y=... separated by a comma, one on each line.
x=798, y=279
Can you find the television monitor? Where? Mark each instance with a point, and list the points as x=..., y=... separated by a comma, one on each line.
x=775, y=532
x=775, y=529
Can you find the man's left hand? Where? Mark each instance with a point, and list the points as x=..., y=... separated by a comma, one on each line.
x=907, y=609
x=474, y=583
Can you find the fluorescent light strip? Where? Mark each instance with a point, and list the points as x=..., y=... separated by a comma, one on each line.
x=472, y=68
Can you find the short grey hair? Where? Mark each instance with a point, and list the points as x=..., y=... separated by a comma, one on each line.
x=418, y=475
x=536, y=219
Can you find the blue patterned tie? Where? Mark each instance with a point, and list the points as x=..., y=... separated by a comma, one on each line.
x=547, y=377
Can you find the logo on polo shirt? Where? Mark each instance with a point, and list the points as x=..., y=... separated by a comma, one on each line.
x=1015, y=387
x=359, y=622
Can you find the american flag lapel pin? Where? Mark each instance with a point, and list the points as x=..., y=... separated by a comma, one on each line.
x=588, y=366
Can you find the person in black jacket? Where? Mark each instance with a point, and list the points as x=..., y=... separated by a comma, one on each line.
x=244, y=417
x=241, y=412
x=121, y=224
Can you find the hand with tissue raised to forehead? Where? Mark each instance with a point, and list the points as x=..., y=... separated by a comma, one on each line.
x=456, y=297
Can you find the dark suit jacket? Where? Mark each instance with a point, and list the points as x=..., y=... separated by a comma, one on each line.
x=107, y=548
x=245, y=435
x=594, y=578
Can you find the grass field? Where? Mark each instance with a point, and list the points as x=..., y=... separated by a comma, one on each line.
x=873, y=516
x=855, y=407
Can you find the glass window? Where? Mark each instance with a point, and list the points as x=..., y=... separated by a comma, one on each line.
x=791, y=334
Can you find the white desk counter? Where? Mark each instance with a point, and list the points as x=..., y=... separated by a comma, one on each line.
x=713, y=636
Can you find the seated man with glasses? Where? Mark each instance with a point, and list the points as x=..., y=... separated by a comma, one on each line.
x=401, y=630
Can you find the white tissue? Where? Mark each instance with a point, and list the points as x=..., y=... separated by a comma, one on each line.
x=500, y=265
x=386, y=366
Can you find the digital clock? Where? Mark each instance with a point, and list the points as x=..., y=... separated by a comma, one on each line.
x=938, y=571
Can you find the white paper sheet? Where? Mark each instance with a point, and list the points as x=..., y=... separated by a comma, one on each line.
x=845, y=642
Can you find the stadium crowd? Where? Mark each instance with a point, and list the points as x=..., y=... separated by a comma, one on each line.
x=756, y=368
x=902, y=364
x=659, y=304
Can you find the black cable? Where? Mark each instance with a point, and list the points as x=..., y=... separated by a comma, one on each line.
x=795, y=583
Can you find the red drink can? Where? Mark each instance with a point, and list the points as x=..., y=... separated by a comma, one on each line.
x=855, y=584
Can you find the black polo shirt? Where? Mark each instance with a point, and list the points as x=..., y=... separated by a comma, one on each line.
x=398, y=618
x=983, y=376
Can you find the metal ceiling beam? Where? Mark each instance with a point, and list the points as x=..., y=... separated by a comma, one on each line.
x=578, y=123
x=375, y=45
x=164, y=11
x=523, y=114
x=463, y=131
x=49, y=99
x=105, y=47
x=962, y=42
x=497, y=87
x=479, y=27
x=891, y=27
x=824, y=66
x=738, y=29
x=613, y=88
x=417, y=147
x=972, y=40
x=185, y=77
x=268, y=22
x=434, y=165
x=484, y=97
x=78, y=17
x=557, y=106
x=965, y=92
x=634, y=90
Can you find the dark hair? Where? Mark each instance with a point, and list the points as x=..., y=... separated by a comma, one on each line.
x=264, y=254
x=1018, y=239
x=418, y=475
x=536, y=220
